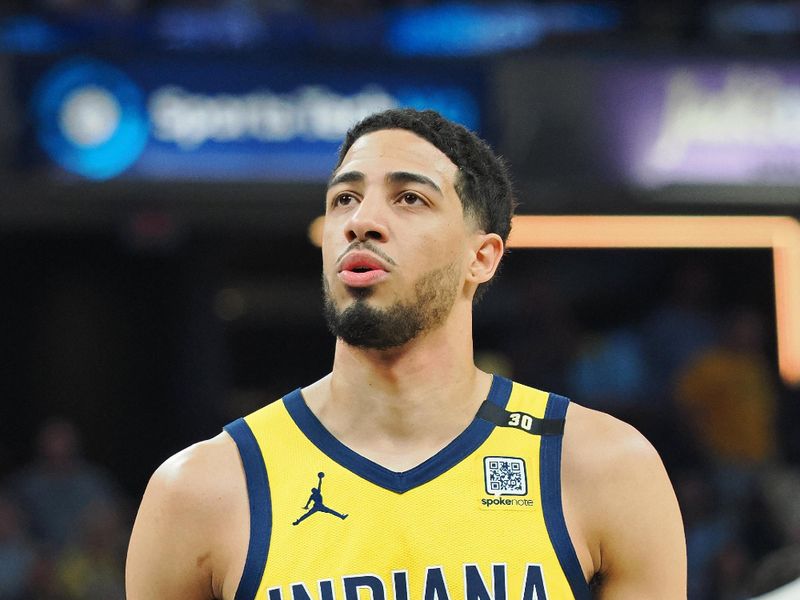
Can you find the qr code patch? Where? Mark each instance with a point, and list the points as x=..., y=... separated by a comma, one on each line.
x=505, y=476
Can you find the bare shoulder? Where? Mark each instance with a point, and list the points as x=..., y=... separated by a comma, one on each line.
x=598, y=445
x=202, y=474
x=191, y=526
x=621, y=504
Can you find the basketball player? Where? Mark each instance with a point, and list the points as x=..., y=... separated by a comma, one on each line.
x=455, y=484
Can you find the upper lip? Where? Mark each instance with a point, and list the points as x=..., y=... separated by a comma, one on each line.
x=362, y=259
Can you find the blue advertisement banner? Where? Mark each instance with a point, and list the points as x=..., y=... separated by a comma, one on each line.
x=207, y=118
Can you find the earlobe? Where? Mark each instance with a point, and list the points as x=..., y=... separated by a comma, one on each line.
x=486, y=257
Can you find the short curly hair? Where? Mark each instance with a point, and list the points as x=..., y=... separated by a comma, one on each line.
x=482, y=182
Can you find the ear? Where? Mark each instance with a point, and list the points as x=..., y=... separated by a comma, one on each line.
x=486, y=254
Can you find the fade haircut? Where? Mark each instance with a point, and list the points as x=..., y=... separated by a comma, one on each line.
x=482, y=181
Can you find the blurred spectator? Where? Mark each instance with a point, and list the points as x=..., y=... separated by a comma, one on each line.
x=707, y=532
x=609, y=373
x=729, y=395
x=92, y=568
x=728, y=398
x=59, y=486
x=679, y=329
x=17, y=553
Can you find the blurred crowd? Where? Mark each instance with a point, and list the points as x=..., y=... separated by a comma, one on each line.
x=64, y=525
x=680, y=18
x=144, y=25
x=134, y=7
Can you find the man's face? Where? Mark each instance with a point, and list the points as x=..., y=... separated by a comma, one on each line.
x=395, y=240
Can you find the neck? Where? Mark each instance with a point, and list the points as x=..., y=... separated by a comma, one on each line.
x=400, y=406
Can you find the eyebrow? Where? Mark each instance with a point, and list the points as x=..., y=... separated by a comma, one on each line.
x=406, y=177
x=394, y=177
x=346, y=177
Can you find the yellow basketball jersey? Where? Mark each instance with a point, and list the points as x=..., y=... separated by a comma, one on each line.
x=480, y=520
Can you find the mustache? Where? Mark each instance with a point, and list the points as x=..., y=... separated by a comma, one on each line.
x=368, y=246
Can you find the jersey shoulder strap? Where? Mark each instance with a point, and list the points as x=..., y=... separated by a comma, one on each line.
x=258, y=491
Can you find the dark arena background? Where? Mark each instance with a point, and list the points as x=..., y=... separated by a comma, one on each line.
x=162, y=167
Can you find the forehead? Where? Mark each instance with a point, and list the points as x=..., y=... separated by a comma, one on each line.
x=399, y=150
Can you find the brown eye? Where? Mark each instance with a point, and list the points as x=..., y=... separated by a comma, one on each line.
x=343, y=199
x=411, y=199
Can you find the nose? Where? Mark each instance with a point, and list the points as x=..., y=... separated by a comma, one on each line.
x=368, y=221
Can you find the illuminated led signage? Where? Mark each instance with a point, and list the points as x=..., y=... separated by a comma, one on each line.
x=99, y=121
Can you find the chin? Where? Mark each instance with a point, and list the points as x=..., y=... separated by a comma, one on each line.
x=360, y=293
x=348, y=298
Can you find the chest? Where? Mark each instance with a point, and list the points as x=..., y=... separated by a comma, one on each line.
x=479, y=524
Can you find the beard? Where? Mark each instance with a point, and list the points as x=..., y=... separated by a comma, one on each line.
x=366, y=326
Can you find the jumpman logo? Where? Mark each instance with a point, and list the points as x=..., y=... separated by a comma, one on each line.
x=315, y=500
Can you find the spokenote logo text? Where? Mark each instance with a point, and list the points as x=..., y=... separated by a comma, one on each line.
x=511, y=502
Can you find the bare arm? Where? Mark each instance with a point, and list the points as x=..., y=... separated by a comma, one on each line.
x=187, y=541
x=622, y=501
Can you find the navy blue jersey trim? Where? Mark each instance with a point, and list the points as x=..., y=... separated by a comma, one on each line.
x=550, y=479
x=260, y=508
x=462, y=446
